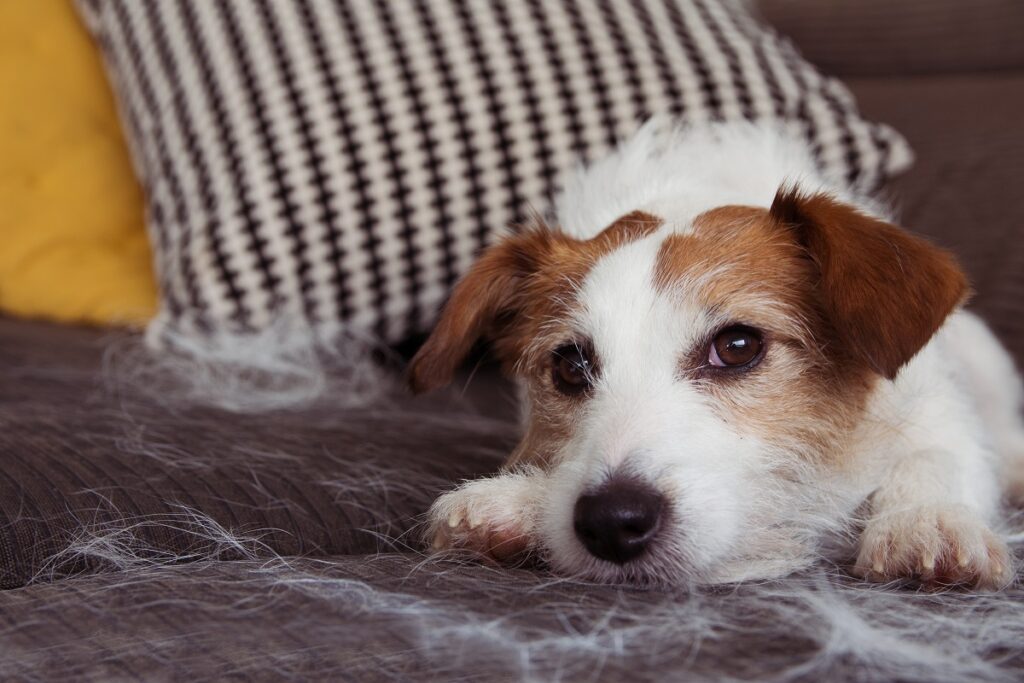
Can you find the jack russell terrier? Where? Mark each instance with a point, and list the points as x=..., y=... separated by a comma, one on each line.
x=730, y=366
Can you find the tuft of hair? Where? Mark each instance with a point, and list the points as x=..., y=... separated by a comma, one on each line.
x=282, y=367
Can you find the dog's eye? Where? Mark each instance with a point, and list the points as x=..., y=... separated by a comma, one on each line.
x=573, y=370
x=735, y=347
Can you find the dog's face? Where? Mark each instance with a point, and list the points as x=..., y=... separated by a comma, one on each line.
x=690, y=386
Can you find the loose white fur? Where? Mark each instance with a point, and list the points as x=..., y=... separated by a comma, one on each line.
x=678, y=173
x=927, y=461
x=230, y=605
x=412, y=612
x=284, y=366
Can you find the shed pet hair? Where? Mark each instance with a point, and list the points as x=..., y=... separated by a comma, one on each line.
x=283, y=367
x=446, y=619
x=397, y=615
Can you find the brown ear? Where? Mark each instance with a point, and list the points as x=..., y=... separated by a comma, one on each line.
x=884, y=291
x=486, y=293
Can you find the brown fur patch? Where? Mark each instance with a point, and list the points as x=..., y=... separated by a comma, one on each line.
x=735, y=260
x=518, y=294
x=841, y=298
x=551, y=290
x=515, y=289
x=738, y=265
x=885, y=291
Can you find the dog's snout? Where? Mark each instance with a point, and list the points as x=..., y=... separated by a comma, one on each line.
x=617, y=521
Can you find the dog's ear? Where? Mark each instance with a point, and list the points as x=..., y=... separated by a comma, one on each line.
x=884, y=291
x=488, y=293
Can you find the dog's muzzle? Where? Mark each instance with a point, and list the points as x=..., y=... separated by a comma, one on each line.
x=617, y=521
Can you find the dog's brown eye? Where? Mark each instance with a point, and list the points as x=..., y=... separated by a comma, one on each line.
x=573, y=369
x=735, y=347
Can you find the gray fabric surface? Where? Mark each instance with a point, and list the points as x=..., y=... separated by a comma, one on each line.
x=895, y=38
x=81, y=460
x=393, y=618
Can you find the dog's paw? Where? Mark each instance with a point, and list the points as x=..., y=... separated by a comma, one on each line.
x=492, y=517
x=938, y=546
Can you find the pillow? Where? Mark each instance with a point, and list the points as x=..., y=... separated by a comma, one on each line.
x=340, y=163
x=75, y=246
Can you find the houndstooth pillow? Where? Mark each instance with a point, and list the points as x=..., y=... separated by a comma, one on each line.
x=341, y=162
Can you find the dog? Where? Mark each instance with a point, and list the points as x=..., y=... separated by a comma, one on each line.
x=730, y=367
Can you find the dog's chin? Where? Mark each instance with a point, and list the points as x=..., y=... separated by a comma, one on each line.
x=659, y=567
x=672, y=570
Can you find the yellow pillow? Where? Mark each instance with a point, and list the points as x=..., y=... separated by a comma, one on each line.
x=73, y=244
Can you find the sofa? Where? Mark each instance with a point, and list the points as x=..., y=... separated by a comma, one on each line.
x=145, y=538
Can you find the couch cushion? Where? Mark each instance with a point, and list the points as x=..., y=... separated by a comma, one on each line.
x=94, y=476
x=74, y=235
x=401, y=618
x=890, y=38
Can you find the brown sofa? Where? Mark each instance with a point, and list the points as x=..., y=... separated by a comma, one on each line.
x=143, y=539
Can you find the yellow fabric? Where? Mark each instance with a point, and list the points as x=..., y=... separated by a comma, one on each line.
x=73, y=245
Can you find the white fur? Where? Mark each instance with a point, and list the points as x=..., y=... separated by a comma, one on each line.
x=283, y=366
x=929, y=452
x=678, y=173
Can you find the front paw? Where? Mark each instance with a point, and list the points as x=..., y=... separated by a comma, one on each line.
x=492, y=517
x=936, y=545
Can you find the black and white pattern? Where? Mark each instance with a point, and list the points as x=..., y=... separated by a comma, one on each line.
x=340, y=162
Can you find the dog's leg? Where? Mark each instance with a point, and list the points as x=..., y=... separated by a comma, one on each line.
x=943, y=453
x=493, y=516
x=937, y=543
x=998, y=391
x=929, y=521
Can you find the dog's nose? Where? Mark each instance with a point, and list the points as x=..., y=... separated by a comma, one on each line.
x=617, y=521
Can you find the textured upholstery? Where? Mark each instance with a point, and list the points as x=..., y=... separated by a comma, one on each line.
x=391, y=618
x=895, y=38
x=80, y=461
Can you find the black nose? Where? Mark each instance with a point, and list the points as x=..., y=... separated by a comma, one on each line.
x=617, y=521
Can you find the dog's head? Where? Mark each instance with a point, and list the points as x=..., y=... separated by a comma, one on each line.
x=688, y=383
